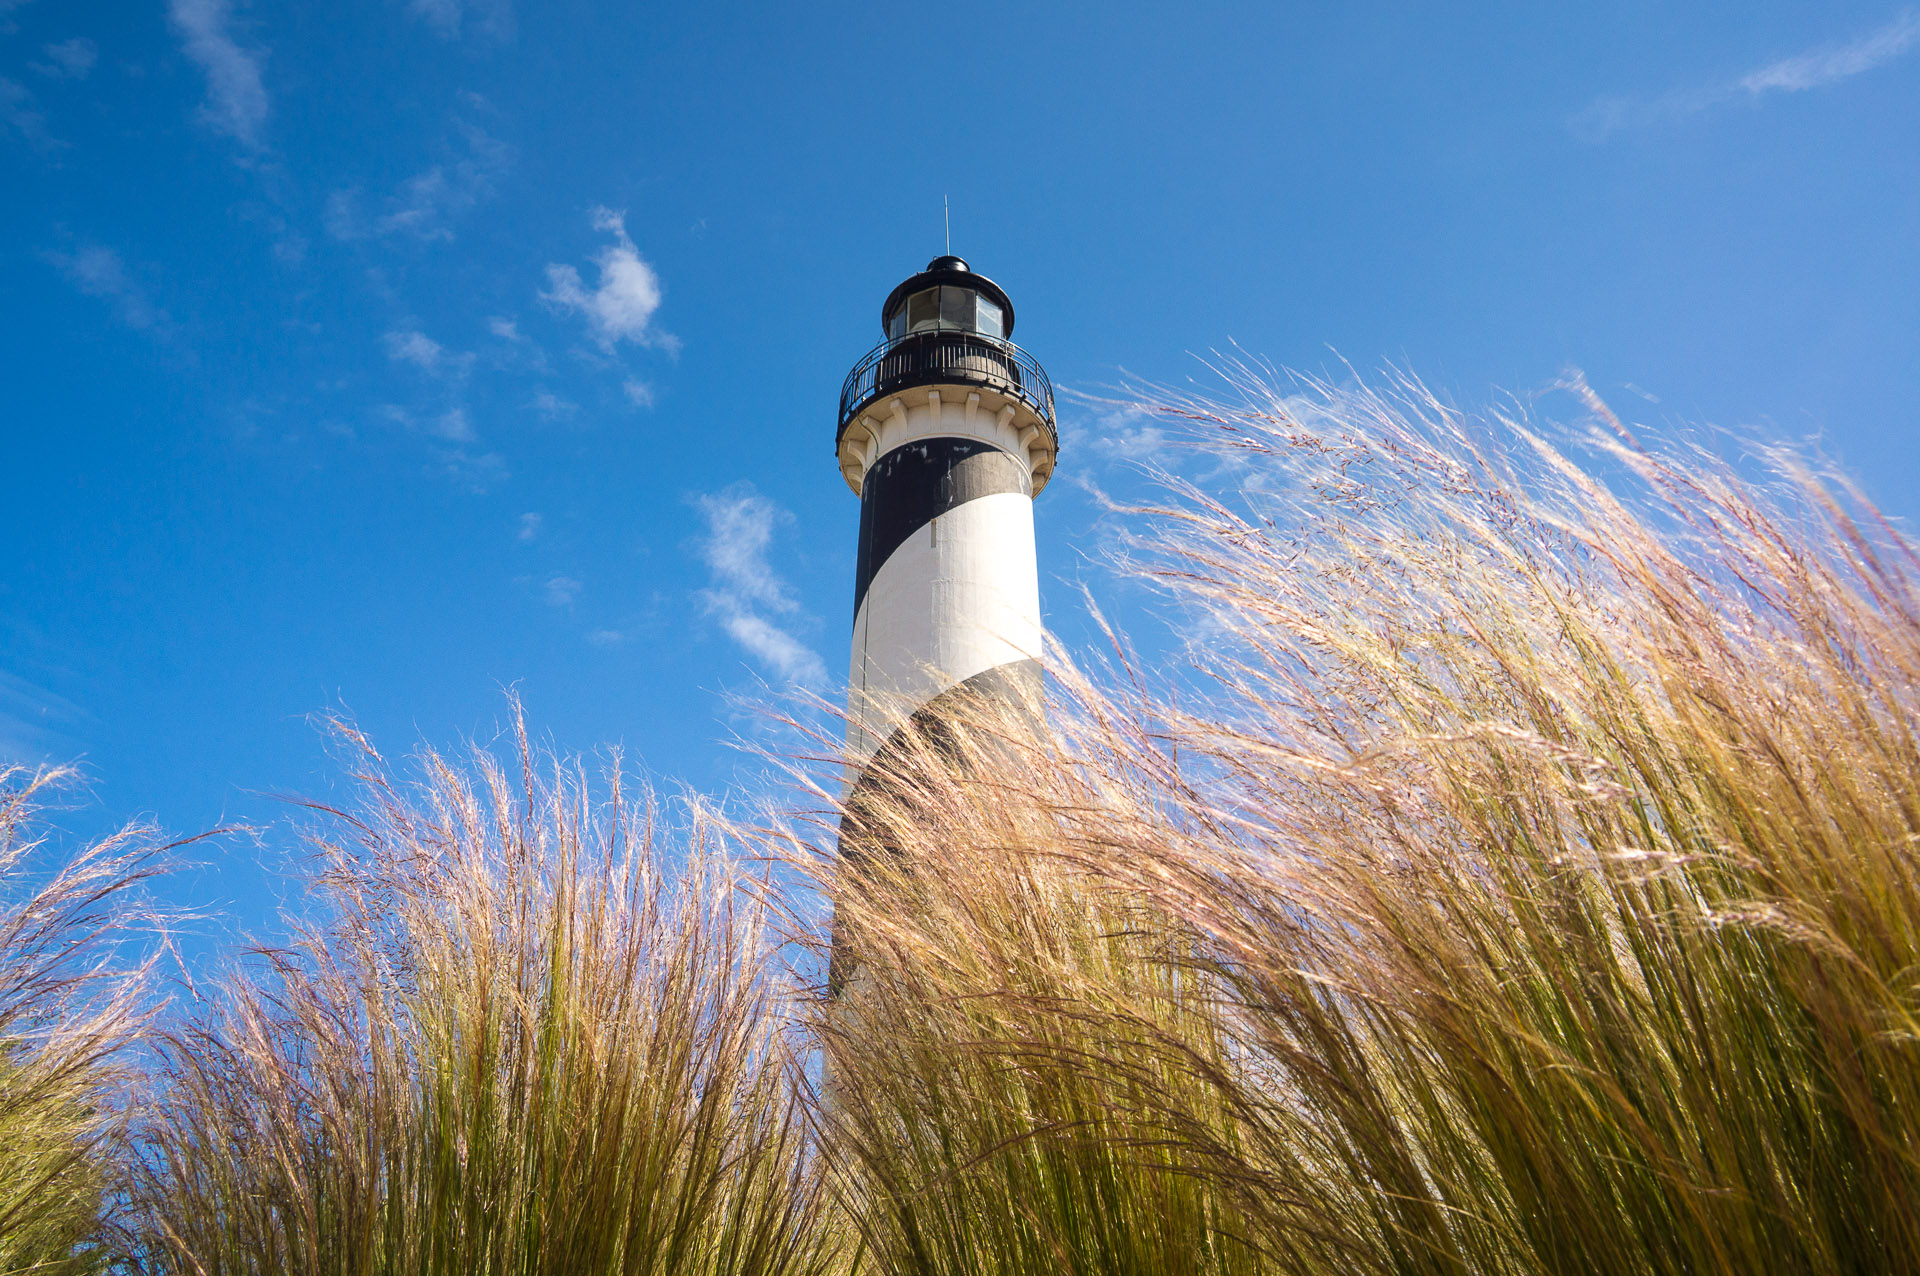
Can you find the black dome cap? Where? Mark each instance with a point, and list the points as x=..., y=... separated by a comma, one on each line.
x=948, y=270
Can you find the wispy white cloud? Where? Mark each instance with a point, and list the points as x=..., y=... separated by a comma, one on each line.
x=424, y=206
x=99, y=272
x=1813, y=69
x=1821, y=67
x=1126, y=433
x=68, y=60
x=455, y=444
x=491, y=19
x=236, y=102
x=529, y=527
x=442, y=418
x=513, y=350
x=561, y=591
x=452, y=426
x=478, y=471
x=416, y=348
x=745, y=593
x=18, y=109
x=740, y=525
x=551, y=407
x=776, y=648
x=411, y=346
x=622, y=305
x=638, y=392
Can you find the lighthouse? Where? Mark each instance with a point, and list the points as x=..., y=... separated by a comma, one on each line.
x=946, y=435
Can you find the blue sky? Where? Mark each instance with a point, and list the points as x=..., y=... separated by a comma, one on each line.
x=389, y=352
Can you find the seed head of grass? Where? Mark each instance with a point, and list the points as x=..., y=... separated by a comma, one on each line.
x=520, y=1038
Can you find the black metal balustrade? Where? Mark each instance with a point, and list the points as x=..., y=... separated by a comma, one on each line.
x=946, y=357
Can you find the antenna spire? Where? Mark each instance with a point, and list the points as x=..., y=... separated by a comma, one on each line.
x=946, y=214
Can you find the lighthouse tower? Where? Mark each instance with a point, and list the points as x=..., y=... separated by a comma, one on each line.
x=946, y=435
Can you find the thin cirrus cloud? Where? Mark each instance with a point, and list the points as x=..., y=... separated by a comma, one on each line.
x=749, y=599
x=411, y=346
x=492, y=19
x=237, y=103
x=551, y=407
x=68, y=60
x=100, y=272
x=18, y=110
x=621, y=305
x=453, y=443
x=425, y=205
x=1812, y=69
x=450, y=426
x=1127, y=433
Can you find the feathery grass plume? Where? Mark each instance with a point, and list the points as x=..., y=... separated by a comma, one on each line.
x=1007, y=1035
x=70, y=1005
x=521, y=1040
x=1533, y=891
x=1555, y=844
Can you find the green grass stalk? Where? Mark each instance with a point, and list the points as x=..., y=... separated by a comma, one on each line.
x=71, y=1006
x=520, y=1041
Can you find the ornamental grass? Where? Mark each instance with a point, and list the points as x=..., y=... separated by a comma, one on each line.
x=518, y=1037
x=73, y=1001
x=1524, y=880
x=1512, y=870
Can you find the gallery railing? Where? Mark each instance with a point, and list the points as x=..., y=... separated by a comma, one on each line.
x=947, y=357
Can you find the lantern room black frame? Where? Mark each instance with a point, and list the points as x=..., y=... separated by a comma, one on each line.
x=947, y=356
x=953, y=272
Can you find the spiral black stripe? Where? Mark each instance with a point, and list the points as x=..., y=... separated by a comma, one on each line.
x=1017, y=683
x=918, y=482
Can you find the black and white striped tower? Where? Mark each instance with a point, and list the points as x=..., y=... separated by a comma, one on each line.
x=946, y=435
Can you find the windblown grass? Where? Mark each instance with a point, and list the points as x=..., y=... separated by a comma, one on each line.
x=70, y=1005
x=1604, y=818
x=1523, y=881
x=522, y=1041
x=1533, y=890
x=1001, y=1093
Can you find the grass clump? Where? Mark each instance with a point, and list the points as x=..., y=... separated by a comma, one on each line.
x=1606, y=815
x=70, y=1006
x=1526, y=884
x=1524, y=881
x=520, y=1041
x=1014, y=1048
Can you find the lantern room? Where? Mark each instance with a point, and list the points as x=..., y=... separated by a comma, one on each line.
x=946, y=338
x=947, y=297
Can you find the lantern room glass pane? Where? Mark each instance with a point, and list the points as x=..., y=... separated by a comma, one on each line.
x=923, y=310
x=990, y=319
x=956, y=307
x=897, y=326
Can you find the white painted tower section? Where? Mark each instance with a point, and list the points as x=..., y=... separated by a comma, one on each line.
x=960, y=595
